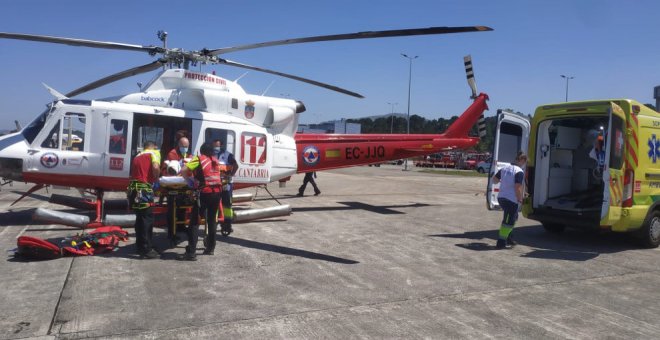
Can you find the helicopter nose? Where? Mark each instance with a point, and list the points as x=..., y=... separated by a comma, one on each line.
x=13, y=149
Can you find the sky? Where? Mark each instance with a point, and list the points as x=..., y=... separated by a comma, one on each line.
x=610, y=47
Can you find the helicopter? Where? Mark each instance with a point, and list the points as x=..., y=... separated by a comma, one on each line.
x=89, y=144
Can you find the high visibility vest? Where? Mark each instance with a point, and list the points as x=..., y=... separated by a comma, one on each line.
x=210, y=173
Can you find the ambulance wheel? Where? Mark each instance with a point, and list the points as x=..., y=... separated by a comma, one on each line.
x=554, y=228
x=649, y=234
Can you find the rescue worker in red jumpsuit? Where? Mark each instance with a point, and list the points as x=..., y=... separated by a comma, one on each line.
x=206, y=170
x=144, y=173
x=181, y=151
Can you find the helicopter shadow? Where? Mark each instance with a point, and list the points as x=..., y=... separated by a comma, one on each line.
x=378, y=209
x=32, y=195
x=17, y=218
x=571, y=245
x=284, y=250
x=167, y=251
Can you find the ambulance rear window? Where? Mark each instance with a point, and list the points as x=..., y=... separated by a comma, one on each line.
x=617, y=143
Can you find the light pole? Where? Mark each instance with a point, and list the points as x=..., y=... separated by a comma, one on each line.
x=410, y=59
x=392, y=114
x=567, y=79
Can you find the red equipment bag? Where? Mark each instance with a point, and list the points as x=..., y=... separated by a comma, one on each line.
x=36, y=248
x=99, y=240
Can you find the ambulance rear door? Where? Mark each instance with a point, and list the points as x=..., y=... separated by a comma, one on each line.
x=613, y=169
x=511, y=136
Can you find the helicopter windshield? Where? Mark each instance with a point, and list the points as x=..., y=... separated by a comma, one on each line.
x=31, y=131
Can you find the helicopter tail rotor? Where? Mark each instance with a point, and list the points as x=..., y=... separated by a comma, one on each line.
x=469, y=72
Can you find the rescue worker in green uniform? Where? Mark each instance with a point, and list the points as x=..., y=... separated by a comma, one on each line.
x=205, y=169
x=144, y=173
x=227, y=160
x=510, y=197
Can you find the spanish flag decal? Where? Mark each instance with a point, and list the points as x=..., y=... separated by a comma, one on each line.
x=332, y=153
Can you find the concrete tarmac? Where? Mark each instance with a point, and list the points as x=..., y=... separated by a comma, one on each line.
x=381, y=253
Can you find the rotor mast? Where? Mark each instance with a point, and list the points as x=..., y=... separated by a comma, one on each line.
x=162, y=36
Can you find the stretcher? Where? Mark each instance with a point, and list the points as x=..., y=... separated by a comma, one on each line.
x=181, y=197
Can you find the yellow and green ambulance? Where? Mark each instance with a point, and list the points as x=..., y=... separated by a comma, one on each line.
x=591, y=164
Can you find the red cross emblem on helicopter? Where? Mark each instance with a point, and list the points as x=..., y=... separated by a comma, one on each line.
x=310, y=155
x=49, y=160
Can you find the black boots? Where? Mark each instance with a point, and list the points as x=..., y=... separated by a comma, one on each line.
x=189, y=255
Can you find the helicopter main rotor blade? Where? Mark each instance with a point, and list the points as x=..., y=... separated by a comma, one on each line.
x=290, y=76
x=117, y=76
x=359, y=35
x=82, y=42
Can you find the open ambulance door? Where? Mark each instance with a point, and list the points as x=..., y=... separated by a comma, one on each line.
x=614, y=142
x=511, y=136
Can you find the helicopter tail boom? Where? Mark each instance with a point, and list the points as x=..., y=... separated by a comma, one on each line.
x=318, y=152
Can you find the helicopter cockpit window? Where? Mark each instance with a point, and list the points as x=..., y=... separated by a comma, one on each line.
x=118, y=133
x=52, y=140
x=73, y=132
x=32, y=130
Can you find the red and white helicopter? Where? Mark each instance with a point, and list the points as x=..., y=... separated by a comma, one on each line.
x=89, y=144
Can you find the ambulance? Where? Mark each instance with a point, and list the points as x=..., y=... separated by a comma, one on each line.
x=591, y=164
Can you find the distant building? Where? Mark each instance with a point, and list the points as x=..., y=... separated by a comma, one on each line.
x=310, y=128
x=337, y=126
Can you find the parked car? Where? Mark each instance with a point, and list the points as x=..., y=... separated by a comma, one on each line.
x=484, y=166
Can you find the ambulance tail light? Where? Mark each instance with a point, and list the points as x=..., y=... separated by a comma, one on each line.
x=628, y=181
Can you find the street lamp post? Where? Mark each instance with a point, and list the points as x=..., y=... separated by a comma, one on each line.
x=392, y=114
x=410, y=59
x=567, y=79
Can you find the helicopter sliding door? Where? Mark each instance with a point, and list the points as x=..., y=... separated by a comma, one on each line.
x=161, y=130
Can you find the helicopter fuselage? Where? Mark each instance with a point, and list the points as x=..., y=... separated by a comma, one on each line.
x=90, y=144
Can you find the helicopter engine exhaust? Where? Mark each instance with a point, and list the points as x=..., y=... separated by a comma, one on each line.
x=300, y=107
x=241, y=216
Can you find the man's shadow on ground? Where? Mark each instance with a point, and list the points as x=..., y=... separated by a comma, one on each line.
x=571, y=245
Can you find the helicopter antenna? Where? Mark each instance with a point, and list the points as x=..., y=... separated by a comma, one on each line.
x=268, y=88
x=239, y=78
